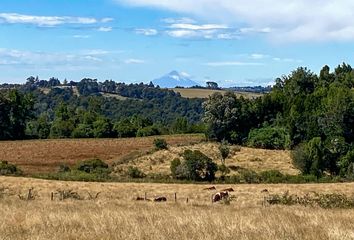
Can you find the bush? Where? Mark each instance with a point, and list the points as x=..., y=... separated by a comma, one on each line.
x=160, y=144
x=224, y=151
x=92, y=166
x=269, y=138
x=148, y=131
x=174, y=165
x=9, y=169
x=309, y=157
x=249, y=176
x=135, y=172
x=272, y=176
x=200, y=167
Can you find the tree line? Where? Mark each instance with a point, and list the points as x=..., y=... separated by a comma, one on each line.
x=311, y=114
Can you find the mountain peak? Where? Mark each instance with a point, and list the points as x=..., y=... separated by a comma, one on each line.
x=173, y=79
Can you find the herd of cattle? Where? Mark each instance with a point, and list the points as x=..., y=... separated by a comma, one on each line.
x=216, y=197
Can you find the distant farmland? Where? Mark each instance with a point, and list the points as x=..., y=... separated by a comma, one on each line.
x=205, y=93
x=41, y=156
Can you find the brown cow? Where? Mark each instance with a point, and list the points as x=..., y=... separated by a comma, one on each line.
x=219, y=196
x=228, y=190
x=210, y=188
x=160, y=199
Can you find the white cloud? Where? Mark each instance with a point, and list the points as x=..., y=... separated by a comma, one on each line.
x=105, y=29
x=291, y=20
x=258, y=56
x=197, y=27
x=146, y=31
x=44, y=21
x=14, y=57
x=134, y=61
x=106, y=20
x=81, y=36
x=233, y=63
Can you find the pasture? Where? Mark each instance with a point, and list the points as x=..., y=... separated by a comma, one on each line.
x=43, y=156
x=205, y=93
x=116, y=215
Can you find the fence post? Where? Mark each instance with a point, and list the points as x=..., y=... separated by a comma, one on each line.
x=51, y=196
x=175, y=197
x=145, y=197
x=187, y=200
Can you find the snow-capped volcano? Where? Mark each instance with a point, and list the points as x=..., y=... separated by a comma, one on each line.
x=174, y=79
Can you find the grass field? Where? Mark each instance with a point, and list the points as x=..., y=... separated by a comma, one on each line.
x=116, y=215
x=249, y=158
x=42, y=156
x=205, y=93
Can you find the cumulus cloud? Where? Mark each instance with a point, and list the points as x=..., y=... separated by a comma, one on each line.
x=105, y=29
x=146, y=31
x=134, y=61
x=44, y=21
x=292, y=20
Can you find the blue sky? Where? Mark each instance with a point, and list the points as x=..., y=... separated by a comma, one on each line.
x=232, y=42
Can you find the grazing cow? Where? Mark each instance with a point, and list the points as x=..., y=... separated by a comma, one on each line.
x=210, y=188
x=219, y=196
x=140, y=199
x=264, y=191
x=228, y=190
x=160, y=199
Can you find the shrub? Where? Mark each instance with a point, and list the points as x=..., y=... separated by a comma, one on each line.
x=174, y=165
x=160, y=144
x=249, y=176
x=148, y=131
x=224, y=150
x=92, y=166
x=200, y=167
x=272, y=176
x=9, y=169
x=64, y=168
x=135, y=172
x=269, y=138
x=224, y=170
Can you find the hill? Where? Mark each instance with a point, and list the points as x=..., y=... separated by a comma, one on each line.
x=205, y=93
x=240, y=158
x=44, y=156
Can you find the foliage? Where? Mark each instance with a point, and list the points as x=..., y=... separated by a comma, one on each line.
x=92, y=166
x=135, y=172
x=333, y=200
x=9, y=169
x=160, y=144
x=196, y=167
x=224, y=150
x=269, y=138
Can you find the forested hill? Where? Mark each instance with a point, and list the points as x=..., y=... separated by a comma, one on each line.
x=99, y=109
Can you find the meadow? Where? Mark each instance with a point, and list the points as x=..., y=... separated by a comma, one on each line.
x=205, y=93
x=43, y=156
x=115, y=214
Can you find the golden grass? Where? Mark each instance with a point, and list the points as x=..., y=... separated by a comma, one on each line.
x=205, y=93
x=250, y=158
x=115, y=215
x=42, y=156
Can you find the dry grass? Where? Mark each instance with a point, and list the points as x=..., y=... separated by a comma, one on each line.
x=205, y=93
x=42, y=156
x=114, y=215
x=250, y=158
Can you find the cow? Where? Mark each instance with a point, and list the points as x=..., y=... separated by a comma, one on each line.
x=160, y=199
x=219, y=196
x=228, y=190
x=210, y=188
x=264, y=191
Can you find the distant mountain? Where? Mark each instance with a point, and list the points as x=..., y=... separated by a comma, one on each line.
x=174, y=79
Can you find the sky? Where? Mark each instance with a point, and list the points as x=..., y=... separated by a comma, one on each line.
x=231, y=42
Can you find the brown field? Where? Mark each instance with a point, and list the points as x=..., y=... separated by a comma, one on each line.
x=205, y=93
x=115, y=215
x=41, y=156
x=250, y=158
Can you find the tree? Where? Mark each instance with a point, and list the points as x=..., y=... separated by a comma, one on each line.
x=224, y=150
x=228, y=117
x=199, y=166
x=212, y=85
